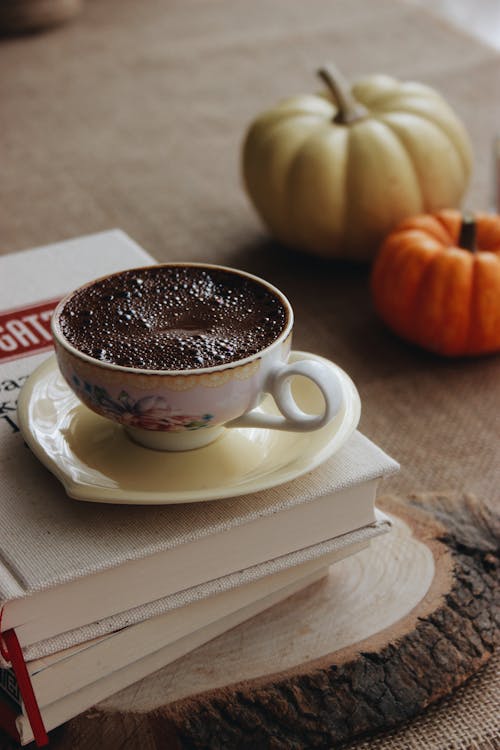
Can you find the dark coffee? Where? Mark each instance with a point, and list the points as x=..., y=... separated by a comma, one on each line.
x=172, y=318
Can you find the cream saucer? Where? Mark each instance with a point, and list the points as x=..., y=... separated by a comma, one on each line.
x=96, y=461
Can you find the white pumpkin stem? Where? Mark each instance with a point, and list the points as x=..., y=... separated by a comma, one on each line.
x=349, y=109
x=467, y=236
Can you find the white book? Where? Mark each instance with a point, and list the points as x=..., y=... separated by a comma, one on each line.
x=73, y=680
x=72, y=668
x=132, y=584
x=83, y=569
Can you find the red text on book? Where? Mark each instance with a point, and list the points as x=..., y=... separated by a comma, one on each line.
x=26, y=330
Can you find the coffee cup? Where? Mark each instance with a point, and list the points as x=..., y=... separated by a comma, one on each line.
x=179, y=352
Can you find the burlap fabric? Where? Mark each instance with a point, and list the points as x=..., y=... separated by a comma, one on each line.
x=133, y=117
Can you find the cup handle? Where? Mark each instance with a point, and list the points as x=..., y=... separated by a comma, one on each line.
x=292, y=417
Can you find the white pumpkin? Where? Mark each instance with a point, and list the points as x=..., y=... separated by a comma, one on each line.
x=332, y=173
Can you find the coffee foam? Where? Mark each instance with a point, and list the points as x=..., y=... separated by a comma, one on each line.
x=172, y=318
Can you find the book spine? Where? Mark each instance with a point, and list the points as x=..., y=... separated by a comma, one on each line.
x=12, y=653
x=9, y=686
x=8, y=717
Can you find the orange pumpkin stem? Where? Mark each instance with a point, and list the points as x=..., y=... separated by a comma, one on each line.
x=467, y=236
x=349, y=109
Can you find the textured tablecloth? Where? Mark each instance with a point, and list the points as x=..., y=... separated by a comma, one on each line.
x=133, y=116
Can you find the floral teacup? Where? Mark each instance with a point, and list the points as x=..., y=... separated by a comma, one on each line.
x=185, y=409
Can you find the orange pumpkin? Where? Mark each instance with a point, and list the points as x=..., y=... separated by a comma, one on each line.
x=436, y=282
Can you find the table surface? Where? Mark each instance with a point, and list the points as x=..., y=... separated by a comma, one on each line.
x=133, y=116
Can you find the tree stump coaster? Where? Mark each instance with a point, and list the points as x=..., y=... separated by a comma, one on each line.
x=389, y=632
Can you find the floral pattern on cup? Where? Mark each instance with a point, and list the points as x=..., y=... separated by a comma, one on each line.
x=149, y=412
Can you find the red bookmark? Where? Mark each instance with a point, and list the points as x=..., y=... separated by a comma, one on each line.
x=11, y=651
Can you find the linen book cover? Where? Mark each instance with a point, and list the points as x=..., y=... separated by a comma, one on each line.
x=48, y=540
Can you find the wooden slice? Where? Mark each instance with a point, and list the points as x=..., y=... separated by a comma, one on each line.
x=386, y=634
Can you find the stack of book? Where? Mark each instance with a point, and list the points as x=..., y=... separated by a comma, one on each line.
x=94, y=597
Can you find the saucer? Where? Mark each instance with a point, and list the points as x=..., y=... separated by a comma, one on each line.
x=96, y=461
